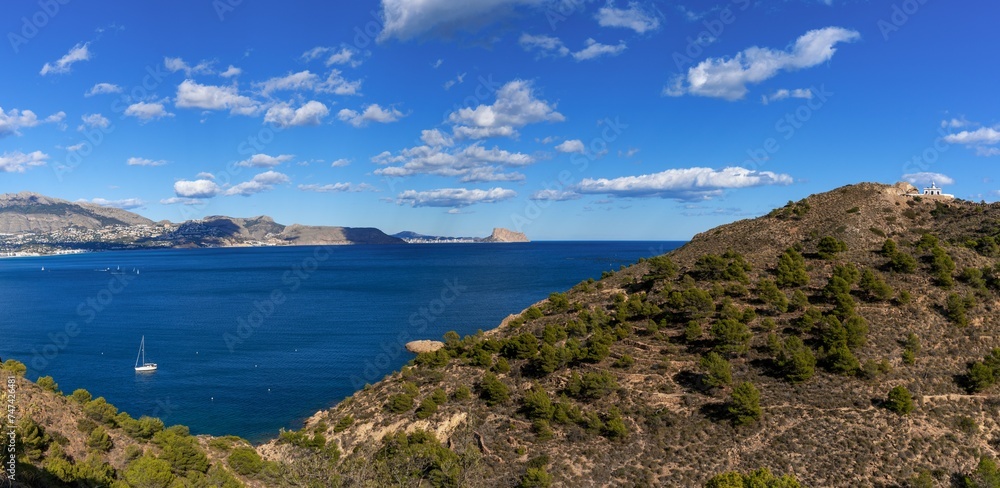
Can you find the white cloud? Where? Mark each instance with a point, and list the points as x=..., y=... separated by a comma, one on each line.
x=18, y=162
x=571, y=146
x=555, y=195
x=283, y=115
x=437, y=64
x=515, y=107
x=371, y=113
x=177, y=64
x=681, y=184
x=260, y=183
x=782, y=94
x=103, y=88
x=231, y=71
x=182, y=200
x=209, y=97
x=147, y=111
x=471, y=163
x=346, y=55
x=634, y=17
x=127, y=203
x=340, y=163
x=453, y=197
x=265, y=161
x=543, y=44
x=728, y=77
x=13, y=120
x=75, y=147
x=335, y=83
x=79, y=52
x=406, y=19
x=338, y=188
x=303, y=80
x=983, y=135
x=133, y=161
x=926, y=178
x=196, y=189
x=434, y=137
x=205, y=176
x=314, y=53
x=955, y=123
x=94, y=120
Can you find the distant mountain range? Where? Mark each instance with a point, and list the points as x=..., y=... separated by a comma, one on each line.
x=499, y=235
x=36, y=224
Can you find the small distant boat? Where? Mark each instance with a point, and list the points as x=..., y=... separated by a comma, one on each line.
x=146, y=367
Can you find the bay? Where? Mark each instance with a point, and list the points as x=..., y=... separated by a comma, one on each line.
x=251, y=340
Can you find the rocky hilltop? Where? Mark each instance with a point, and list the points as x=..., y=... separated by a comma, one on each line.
x=504, y=235
x=846, y=339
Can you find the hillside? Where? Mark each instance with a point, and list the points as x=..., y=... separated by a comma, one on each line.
x=848, y=339
x=30, y=212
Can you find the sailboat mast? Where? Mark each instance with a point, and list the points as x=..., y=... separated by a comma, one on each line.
x=140, y=351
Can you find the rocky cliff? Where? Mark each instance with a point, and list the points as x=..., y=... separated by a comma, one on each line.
x=504, y=235
x=30, y=212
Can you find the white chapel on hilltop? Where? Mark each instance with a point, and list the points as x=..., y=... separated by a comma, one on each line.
x=932, y=191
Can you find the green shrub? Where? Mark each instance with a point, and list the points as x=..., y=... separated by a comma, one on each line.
x=744, y=405
x=828, y=247
x=245, y=461
x=718, y=372
x=492, y=390
x=535, y=478
x=148, y=471
x=462, y=393
x=49, y=384
x=80, y=396
x=400, y=403
x=591, y=386
x=536, y=404
x=13, y=367
x=99, y=440
x=874, y=287
x=791, y=269
x=625, y=361
x=942, y=266
x=100, y=410
x=731, y=336
x=427, y=408
x=772, y=296
x=762, y=478
x=796, y=360
x=344, y=423
x=523, y=346
x=614, y=425
x=900, y=401
x=956, y=307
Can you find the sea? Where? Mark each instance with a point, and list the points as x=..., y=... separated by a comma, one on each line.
x=252, y=340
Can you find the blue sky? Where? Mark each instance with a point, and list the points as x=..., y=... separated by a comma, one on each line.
x=566, y=119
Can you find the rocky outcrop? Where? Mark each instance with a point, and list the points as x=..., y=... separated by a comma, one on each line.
x=304, y=235
x=504, y=235
x=418, y=347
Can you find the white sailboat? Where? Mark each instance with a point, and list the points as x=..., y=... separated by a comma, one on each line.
x=146, y=367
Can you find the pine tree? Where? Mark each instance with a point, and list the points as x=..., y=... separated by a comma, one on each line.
x=744, y=406
x=791, y=269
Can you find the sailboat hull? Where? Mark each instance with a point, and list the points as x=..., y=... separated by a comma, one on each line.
x=145, y=368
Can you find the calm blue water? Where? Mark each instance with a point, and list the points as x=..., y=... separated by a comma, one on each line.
x=252, y=340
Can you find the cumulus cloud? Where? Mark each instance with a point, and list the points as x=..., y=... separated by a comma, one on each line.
x=453, y=197
x=983, y=135
x=338, y=188
x=682, y=184
x=728, y=78
x=571, y=146
x=231, y=71
x=926, y=178
x=434, y=137
x=515, y=107
x=103, y=88
x=984, y=139
x=407, y=19
x=144, y=162
x=126, y=204
x=94, y=121
x=145, y=111
x=182, y=200
x=260, y=183
x=345, y=55
x=283, y=115
x=594, y=49
x=634, y=17
x=79, y=52
x=19, y=162
x=472, y=163
x=265, y=161
x=13, y=120
x=371, y=113
x=782, y=94
x=209, y=97
x=196, y=189
x=309, y=81
x=177, y=64
x=340, y=163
